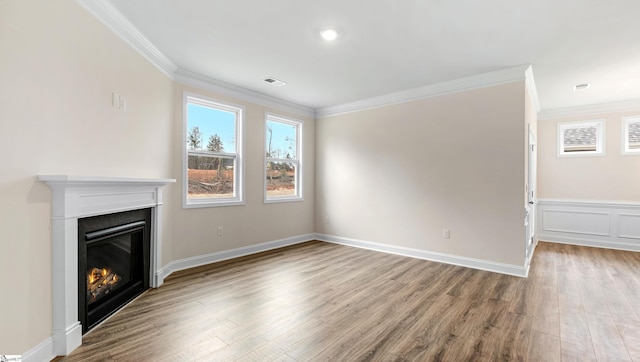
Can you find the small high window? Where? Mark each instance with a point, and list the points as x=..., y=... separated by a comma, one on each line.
x=631, y=135
x=581, y=138
x=212, y=153
x=283, y=166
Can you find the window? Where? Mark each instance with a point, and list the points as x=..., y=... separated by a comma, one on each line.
x=581, y=138
x=631, y=135
x=283, y=166
x=212, y=153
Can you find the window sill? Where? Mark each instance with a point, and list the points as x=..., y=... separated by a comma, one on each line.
x=581, y=154
x=202, y=203
x=283, y=199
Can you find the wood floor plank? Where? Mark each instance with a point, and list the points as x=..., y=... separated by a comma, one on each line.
x=576, y=357
x=506, y=288
x=578, y=345
x=318, y=301
x=513, y=338
x=606, y=339
x=548, y=323
x=544, y=347
x=202, y=351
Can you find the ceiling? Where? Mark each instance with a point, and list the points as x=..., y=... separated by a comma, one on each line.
x=387, y=46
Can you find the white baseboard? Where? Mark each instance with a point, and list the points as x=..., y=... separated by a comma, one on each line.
x=602, y=224
x=41, y=352
x=591, y=243
x=510, y=269
x=161, y=274
x=67, y=340
x=199, y=260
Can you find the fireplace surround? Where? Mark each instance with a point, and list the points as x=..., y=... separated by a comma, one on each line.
x=76, y=197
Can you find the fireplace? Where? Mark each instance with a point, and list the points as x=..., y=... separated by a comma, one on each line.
x=113, y=263
x=75, y=198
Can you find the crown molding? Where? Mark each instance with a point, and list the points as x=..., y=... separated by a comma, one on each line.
x=114, y=20
x=203, y=82
x=621, y=106
x=111, y=17
x=503, y=76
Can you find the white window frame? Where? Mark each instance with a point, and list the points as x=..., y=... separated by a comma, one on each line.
x=626, y=122
x=298, y=196
x=238, y=187
x=600, y=138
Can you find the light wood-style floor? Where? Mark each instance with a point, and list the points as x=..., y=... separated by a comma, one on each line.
x=319, y=301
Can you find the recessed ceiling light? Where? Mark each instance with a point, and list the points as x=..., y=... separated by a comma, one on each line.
x=329, y=34
x=276, y=82
x=582, y=86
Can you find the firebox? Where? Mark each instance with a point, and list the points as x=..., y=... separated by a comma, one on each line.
x=113, y=263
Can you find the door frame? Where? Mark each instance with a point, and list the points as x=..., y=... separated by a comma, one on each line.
x=531, y=188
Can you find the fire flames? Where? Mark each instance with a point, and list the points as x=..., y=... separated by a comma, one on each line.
x=100, y=282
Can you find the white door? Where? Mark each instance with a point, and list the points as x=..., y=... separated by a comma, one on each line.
x=531, y=193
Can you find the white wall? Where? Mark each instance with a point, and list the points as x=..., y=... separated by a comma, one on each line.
x=399, y=174
x=58, y=67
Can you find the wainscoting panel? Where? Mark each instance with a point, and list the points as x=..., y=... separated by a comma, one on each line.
x=629, y=226
x=577, y=222
x=614, y=225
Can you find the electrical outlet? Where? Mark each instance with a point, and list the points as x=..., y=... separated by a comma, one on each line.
x=327, y=220
x=220, y=231
x=446, y=233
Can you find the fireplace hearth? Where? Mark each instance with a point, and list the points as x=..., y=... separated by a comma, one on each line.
x=113, y=263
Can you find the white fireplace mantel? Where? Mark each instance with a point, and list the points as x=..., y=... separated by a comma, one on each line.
x=76, y=197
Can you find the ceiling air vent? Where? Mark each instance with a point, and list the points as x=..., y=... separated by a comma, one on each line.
x=582, y=86
x=276, y=82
